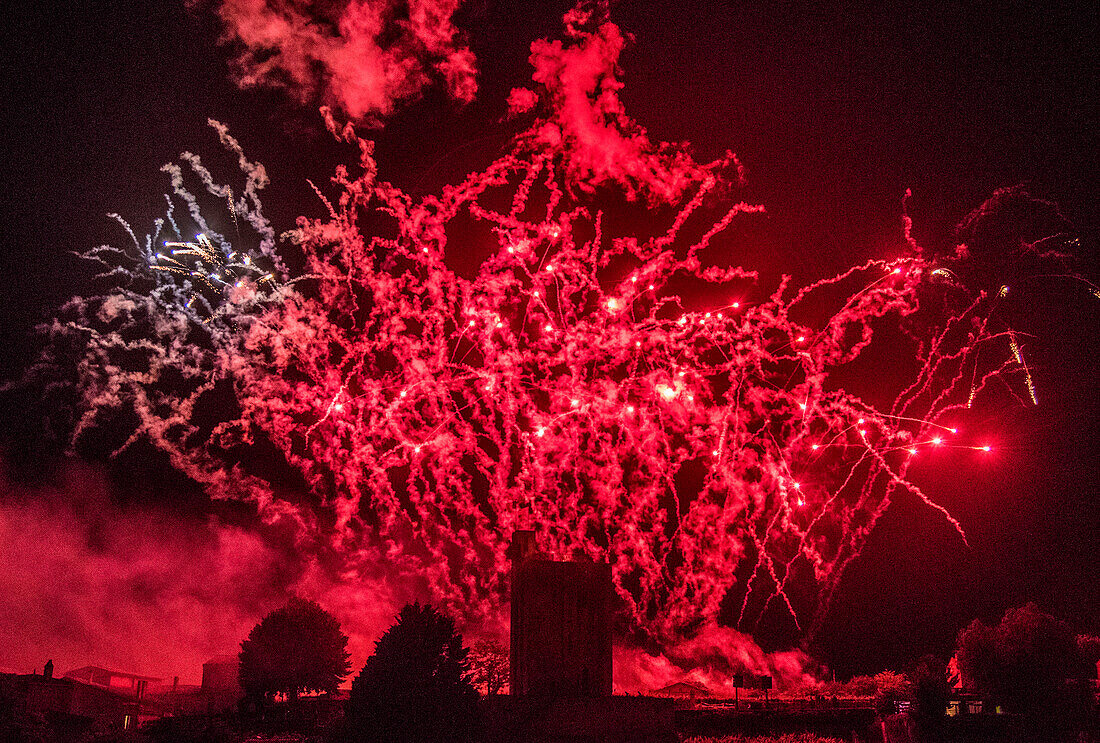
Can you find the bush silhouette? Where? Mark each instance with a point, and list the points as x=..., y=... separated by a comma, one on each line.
x=414, y=689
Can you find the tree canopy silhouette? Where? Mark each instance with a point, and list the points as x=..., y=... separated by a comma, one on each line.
x=296, y=648
x=415, y=688
x=1024, y=661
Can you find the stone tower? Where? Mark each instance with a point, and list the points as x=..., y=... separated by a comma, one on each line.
x=560, y=624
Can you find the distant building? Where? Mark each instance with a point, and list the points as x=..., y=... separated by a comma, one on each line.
x=220, y=673
x=221, y=686
x=125, y=684
x=560, y=624
x=176, y=699
x=131, y=687
x=69, y=705
x=684, y=690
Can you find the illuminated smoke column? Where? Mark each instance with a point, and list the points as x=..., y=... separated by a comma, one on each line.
x=575, y=384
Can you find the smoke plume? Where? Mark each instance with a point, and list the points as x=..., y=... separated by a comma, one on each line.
x=709, y=659
x=137, y=589
x=580, y=81
x=364, y=57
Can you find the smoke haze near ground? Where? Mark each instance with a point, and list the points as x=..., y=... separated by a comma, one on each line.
x=139, y=589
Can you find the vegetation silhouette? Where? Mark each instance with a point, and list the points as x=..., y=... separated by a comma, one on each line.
x=416, y=686
x=489, y=666
x=1030, y=663
x=930, y=692
x=294, y=649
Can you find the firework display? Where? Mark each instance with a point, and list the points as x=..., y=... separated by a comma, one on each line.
x=631, y=394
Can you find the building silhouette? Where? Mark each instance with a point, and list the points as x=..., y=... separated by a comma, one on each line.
x=220, y=685
x=127, y=684
x=560, y=624
x=560, y=659
x=684, y=690
x=80, y=700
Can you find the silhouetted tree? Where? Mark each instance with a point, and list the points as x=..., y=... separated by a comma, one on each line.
x=415, y=688
x=294, y=649
x=930, y=690
x=489, y=666
x=1022, y=662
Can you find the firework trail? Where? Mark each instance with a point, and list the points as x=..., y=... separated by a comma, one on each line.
x=573, y=385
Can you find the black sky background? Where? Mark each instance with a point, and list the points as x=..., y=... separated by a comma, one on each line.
x=835, y=109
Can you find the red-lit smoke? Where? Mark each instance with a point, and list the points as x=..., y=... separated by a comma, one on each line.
x=88, y=582
x=364, y=58
x=144, y=589
x=701, y=443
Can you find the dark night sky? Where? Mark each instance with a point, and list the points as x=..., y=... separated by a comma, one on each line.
x=834, y=109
